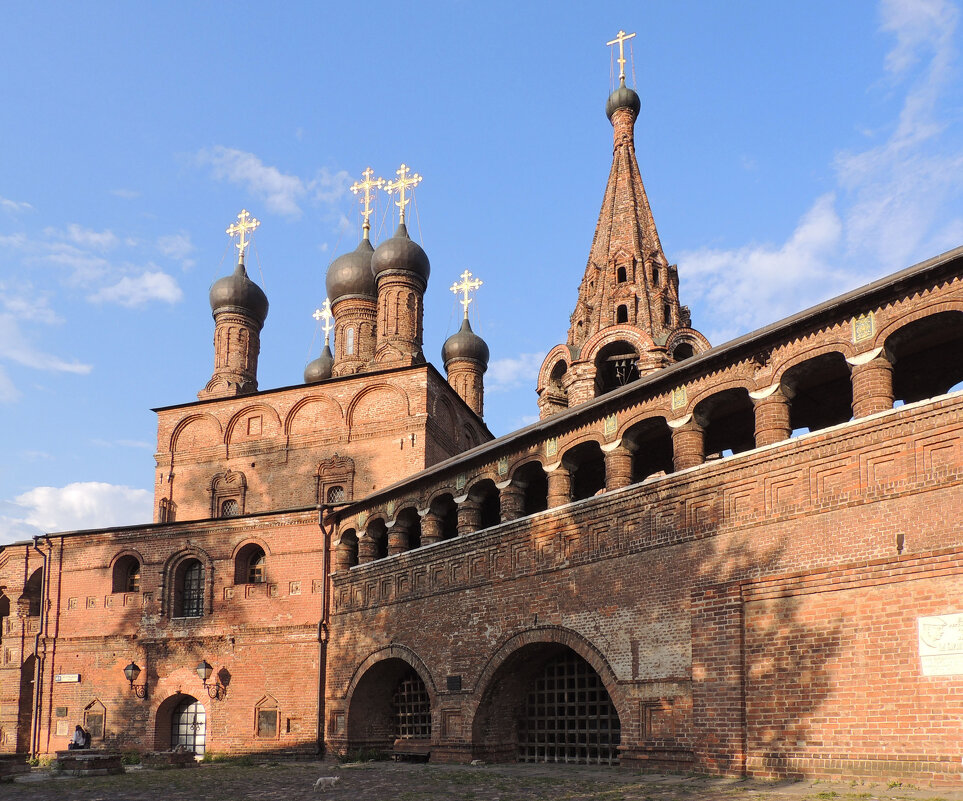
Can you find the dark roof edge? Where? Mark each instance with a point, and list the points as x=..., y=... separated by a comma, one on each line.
x=689, y=365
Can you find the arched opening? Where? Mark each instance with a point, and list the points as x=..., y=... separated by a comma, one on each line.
x=183, y=719
x=683, y=351
x=534, y=483
x=555, y=392
x=126, y=574
x=230, y=508
x=667, y=314
x=189, y=589
x=820, y=392
x=486, y=495
x=650, y=443
x=655, y=275
x=446, y=510
x=728, y=420
x=615, y=366
x=346, y=553
x=249, y=565
x=390, y=705
x=620, y=275
x=927, y=356
x=586, y=464
x=545, y=703
x=25, y=706
x=33, y=593
x=408, y=521
x=621, y=313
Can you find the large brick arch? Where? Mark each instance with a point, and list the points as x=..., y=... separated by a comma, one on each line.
x=635, y=337
x=314, y=414
x=916, y=314
x=549, y=636
x=376, y=404
x=195, y=432
x=560, y=353
x=843, y=348
x=270, y=425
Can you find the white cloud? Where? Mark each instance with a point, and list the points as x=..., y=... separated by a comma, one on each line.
x=886, y=212
x=87, y=238
x=14, y=205
x=8, y=392
x=176, y=246
x=279, y=191
x=15, y=348
x=329, y=187
x=511, y=372
x=136, y=291
x=82, y=505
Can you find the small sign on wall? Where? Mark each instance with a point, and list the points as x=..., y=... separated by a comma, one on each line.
x=941, y=645
x=67, y=678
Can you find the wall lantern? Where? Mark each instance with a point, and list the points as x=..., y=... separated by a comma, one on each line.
x=132, y=671
x=215, y=689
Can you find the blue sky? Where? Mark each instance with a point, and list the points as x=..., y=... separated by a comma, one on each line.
x=791, y=151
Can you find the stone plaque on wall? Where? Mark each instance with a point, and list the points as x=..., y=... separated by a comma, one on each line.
x=941, y=645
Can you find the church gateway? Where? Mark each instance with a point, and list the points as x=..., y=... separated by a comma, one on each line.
x=740, y=559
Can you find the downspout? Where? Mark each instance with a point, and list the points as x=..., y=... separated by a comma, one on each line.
x=323, y=627
x=39, y=669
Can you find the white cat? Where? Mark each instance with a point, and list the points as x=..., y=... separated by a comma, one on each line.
x=325, y=782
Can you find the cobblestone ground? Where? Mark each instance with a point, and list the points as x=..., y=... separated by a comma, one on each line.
x=384, y=781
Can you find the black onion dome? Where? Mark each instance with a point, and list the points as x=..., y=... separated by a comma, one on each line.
x=465, y=344
x=239, y=291
x=623, y=97
x=401, y=253
x=350, y=274
x=320, y=368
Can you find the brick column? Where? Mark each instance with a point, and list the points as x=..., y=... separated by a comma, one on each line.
x=344, y=556
x=772, y=417
x=559, y=487
x=367, y=549
x=688, y=445
x=469, y=517
x=872, y=385
x=430, y=528
x=512, y=502
x=618, y=468
x=397, y=539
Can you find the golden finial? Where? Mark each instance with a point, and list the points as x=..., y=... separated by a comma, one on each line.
x=324, y=313
x=467, y=285
x=404, y=182
x=621, y=39
x=366, y=186
x=245, y=223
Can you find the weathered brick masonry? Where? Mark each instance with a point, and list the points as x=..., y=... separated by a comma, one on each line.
x=745, y=559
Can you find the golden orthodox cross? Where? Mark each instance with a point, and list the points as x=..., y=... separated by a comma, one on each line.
x=245, y=223
x=324, y=313
x=366, y=186
x=467, y=285
x=621, y=39
x=403, y=183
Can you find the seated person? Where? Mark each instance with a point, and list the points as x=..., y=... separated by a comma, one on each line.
x=79, y=740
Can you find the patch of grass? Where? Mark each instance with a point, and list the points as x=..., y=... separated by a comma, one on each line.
x=130, y=758
x=827, y=794
x=241, y=760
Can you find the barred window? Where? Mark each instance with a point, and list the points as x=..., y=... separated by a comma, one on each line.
x=412, y=708
x=189, y=589
x=336, y=494
x=255, y=568
x=230, y=508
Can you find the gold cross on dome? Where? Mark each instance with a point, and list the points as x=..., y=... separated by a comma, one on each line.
x=467, y=285
x=621, y=39
x=324, y=313
x=403, y=183
x=366, y=186
x=245, y=223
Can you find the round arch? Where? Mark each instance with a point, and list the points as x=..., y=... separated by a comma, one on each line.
x=271, y=414
x=190, y=420
x=291, y=418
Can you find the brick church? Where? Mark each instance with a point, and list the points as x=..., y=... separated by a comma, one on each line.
x=740, y=559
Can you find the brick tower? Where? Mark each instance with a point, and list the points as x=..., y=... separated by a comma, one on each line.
x=465, y=354
x=239, y=307
x=628, y=321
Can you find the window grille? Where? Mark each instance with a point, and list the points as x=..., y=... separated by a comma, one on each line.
x=192, y=603
x=336, y=494
x=569, y=717
x=133, y=578
x=230, y=508
x=255, y=568
x=189, y=726
x=412, y=708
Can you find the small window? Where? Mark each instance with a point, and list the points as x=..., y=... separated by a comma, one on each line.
x=336, y=494
x=349, y=341
x=655, y=275
x=620, y=275
x=622, y=314
x=250, y=565
x=189, y=589
x=666, y=313
x=126, y=576
x=230, y=508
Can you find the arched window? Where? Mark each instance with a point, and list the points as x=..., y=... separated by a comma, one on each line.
x=230, y=508
x=189, y=589
x=126, y=577
x=620, y=275
x=250, y=564
x=335, y=494
x=33, y=593
x=655, y=275
x=349, y=341
x=622, y=314
x=666, y=313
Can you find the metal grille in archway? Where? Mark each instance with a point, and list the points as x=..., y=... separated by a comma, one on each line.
x=412, y=708
x=189, y=726
x=569, y=717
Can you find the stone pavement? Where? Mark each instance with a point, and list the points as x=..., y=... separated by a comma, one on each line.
x=385, y=781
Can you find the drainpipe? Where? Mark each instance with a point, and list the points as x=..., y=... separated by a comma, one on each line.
x=323, y=626
x=38, y=674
